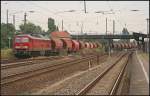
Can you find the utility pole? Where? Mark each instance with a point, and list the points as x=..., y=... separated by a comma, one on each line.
x=14, y=23
x=9, y=38
x=108, y=41
x=85, y=13
x=82, y=29
x=84, y=6
x=7, y=20
x=7, y=17
x=147, y=34
x=14, y=20
x=7, y=27
x=113, y=27
x=106, y=25
x=62, y=25
x=25, y=20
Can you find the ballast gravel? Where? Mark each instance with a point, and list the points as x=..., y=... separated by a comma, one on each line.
x=73, y=84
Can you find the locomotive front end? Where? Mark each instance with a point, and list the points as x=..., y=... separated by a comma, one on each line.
x=21, y=46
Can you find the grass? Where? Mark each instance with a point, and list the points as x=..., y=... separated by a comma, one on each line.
x=96, y=50
x=99, y=50
x=7, y=54
x=144, y=55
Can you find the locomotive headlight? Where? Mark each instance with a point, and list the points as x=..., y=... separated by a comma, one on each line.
x=25, y=46
x=21, y=47
x=17, y=46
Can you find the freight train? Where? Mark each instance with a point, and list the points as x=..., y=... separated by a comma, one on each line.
x=27, y=45
x=129, y=45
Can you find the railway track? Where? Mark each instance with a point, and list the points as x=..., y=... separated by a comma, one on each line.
x=35, y=79
x=72, y=84
x=7, y=61
x=28, y=62
x=21, y=76
x=34, y=61
x=92, y=84
x=15, y=60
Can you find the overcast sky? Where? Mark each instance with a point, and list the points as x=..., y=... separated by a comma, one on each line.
x=93, y=23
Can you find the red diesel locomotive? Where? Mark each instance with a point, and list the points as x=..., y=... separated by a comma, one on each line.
x=27, y=45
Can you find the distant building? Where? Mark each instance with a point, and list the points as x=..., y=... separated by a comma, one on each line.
x=125, y=32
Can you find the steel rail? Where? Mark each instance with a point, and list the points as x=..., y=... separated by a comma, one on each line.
x=28, y=74
x=29, y=62
x=118, y=80
x=51, y=65
x=7, y=61
x=93, y=82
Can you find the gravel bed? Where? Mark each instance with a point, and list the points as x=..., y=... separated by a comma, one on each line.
x=6, y=61
x=72, y=85
x=22, y=69
x=103, y=87
x=37, y=82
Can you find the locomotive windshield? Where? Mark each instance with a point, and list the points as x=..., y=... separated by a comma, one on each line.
x=25, y=40
x=18, y=40
x=21, y=40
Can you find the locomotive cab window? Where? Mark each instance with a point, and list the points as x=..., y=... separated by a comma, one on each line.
x=25, y=40
x=17, y=40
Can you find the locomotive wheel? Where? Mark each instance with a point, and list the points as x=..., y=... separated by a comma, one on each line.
x=21, y=54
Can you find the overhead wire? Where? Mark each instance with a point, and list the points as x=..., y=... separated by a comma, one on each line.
x=58, y=15
x=39, y=11
x=51, y=12
x=115, y=15
x=46, y=9
x=35, y=20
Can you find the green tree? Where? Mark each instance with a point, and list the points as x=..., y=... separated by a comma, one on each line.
x=37, y=29
x=30, y=28
x=7, y=31
x=51, y=25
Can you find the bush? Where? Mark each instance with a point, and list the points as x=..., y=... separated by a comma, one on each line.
x=7, y=54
